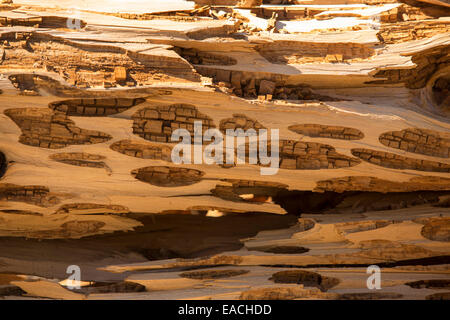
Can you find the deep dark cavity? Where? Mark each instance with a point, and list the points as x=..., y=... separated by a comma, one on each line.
x=195, y=56
x=430, y=284
x=441, y=92
x=191, y=236
x=3, y=164
x=431, y=261
x=298, y=202
x=283, y=249
x=162, y=236
x=11, y=291
x=439, y=296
